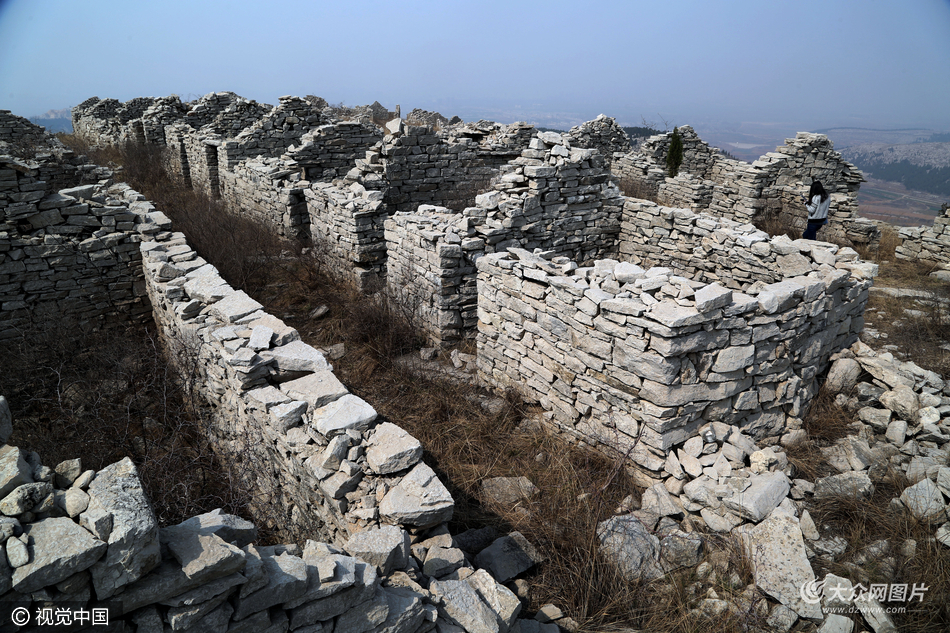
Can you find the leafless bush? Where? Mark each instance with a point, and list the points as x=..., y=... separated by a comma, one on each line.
x=637, y=188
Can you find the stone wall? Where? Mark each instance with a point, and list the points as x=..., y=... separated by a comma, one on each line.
x=111, y=122
x=84, y=547
x=927, y=243
x=330, y=151
x=17, y=132
x=716, y=249
x=603, y=134
x=637, y=360
x=277, y=405
x=71, y=255
x=346, y=224
x=270, y=191
x=430, y=271
x=415, y=165
x=270, y=135
x=551, y=197
x=772, y=186
x=164, y=111
x=194, y=141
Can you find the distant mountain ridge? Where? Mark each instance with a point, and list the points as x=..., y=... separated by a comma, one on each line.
x=65, y=113
x=924, y=166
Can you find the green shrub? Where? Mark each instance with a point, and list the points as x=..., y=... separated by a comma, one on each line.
x=674, y=157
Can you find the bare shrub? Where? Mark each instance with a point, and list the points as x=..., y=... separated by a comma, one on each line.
x=637, y=188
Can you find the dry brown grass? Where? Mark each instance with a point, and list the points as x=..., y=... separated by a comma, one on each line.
x=636, y=188
x=103, y=395
x=776, y=223
x=865, y=522
x=825, y=422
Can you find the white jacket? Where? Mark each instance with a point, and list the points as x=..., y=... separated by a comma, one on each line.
x=818, y=210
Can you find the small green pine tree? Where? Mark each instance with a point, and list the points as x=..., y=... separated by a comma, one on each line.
x=674, y=157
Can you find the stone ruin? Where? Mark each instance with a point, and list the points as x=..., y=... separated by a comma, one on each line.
x=637, y=326
x=773, y=185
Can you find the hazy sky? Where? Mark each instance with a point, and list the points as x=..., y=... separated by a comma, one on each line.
x=870, y=63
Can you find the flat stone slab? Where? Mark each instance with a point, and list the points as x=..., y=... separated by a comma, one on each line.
x=232, y=529
x=848, y=484
x=419, y=499
x=316, y=389
x=14, y=469
x=762, y=496
x=345, y=413
x=391, y=449
x=461, y=604
x=202, y=555
x=59, y=548
x=387, y=548
x=133, y=541
x=286, y=580
x=507, y=557
x=780, y=565
x=509, y=491
x=298, y=356
x=925, y=501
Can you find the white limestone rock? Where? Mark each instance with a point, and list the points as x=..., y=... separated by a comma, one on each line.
x=344, y=413
x=499, y=598
x=58, y=549
x=925, y=501
x=780, y=564
x=133, y=541
x=627, y=543
x=507, y=557
x=387, y=548
x=391, y=449
x=14, y=470
x=298, y=356
x=764, y=493
x=460, y=603
x=419, y=500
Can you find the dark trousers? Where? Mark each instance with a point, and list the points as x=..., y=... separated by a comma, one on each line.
x=812, y=230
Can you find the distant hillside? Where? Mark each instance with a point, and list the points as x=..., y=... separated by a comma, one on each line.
x=54, y=125
x=850, y=136
x=641, y=132
x=55, y=121
x=924, y=166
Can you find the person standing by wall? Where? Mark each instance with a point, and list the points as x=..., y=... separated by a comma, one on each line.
x=817, y=205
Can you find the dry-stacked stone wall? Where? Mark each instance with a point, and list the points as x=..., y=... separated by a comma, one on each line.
x=703, y=246
x=163, y=112
x=194, y=142
x=83, y=547
x=773, y=185
x=927, y=243
x=431, y=270
x=277, y=404
x=71, y=254
x=415, y=165
x=552, y=197
x=330, y=151
x=270, y=191
x=17, y=132
x=110, y=121
x=637, y=360
x=603, y=134
x=346, y=224
x=272, y=134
